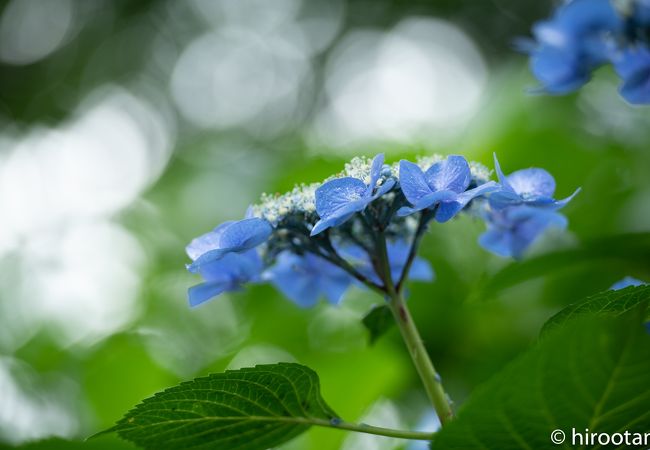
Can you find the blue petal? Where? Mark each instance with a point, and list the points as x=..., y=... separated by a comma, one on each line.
x=421, y=270
x=448, y=209
x=633, y=66
x=246, y=233
x=513, y=230
x=337, y=193
x=428, y=201
x=557, y=204
x=505, y=186
x=532, y=183
x=497, y=241
x=375, y=172
x=339, y=216
x=229, y=237
x=334, y=287
x=303, y=279
x=205, y=291
x=589, y=17
x=291, y=278
x=559, y=71
x=412, y=181
x=451, y=174
x=625, y=282
x=206, y=242
x=530, y=223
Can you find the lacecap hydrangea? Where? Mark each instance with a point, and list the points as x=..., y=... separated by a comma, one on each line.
x=583, y=35
x=364, y=225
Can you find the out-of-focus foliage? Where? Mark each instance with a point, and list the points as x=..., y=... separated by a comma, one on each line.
x=119, y=143
x=542, y=391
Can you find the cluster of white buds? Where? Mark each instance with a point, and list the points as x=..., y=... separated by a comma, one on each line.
x=274, y=207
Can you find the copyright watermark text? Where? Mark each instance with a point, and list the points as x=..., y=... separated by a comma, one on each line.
x=586, y=437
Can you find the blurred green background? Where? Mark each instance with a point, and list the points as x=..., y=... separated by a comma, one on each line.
x=128, y=128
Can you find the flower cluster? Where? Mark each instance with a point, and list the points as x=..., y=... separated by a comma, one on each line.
x=585, y=34
x=364, y=225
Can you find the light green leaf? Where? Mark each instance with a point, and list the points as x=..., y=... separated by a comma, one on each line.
x=611, y=303
x=253, y=408
x=592, y=373
x=378, y=321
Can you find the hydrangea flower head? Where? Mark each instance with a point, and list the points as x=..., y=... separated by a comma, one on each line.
x=585, y=34
x=339, y=199
x=443, y=186
x=374, y=223
x=232, y=236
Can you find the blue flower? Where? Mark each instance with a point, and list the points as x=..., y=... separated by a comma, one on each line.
x=577, y=39
x=305, y=278
x=512, y=230
x=633, y=66
x=531, y=187
x=626, y=282
x=225, y=274
x=339, y=199
x=444, y=185
x=232, y=236
x=398, y=252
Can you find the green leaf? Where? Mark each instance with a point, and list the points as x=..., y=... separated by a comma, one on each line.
x=378, y=321
x=611, y=303
x=253, y=408
x=590, y=374
x=630, y=250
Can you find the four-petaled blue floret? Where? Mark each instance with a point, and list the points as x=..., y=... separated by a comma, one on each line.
x=521, y=210
x=442, y=186
x=583, y=35
x=375, y=216
x=339, y=199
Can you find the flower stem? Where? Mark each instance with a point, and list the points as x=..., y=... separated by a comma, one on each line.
x=428, y=375
x=378, y=431
x=430, y=378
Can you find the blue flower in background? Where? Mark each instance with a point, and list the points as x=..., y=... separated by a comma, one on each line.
x=398, y=252
x=232, y=236
x=512, y=230
x=305, y=278
x=225, y=274
x=339, y=199
x=626, y=282
x=444, y=185
x=576, y=40
x=633, y=66
x=531, y=187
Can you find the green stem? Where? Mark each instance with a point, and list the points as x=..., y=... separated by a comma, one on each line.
x=428, y=375
x=379, y=431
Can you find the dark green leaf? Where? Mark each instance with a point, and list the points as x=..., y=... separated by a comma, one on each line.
x=612, y=303
x=378, y=321
x=631, y=249
x=591, y=374
x=253, y=408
